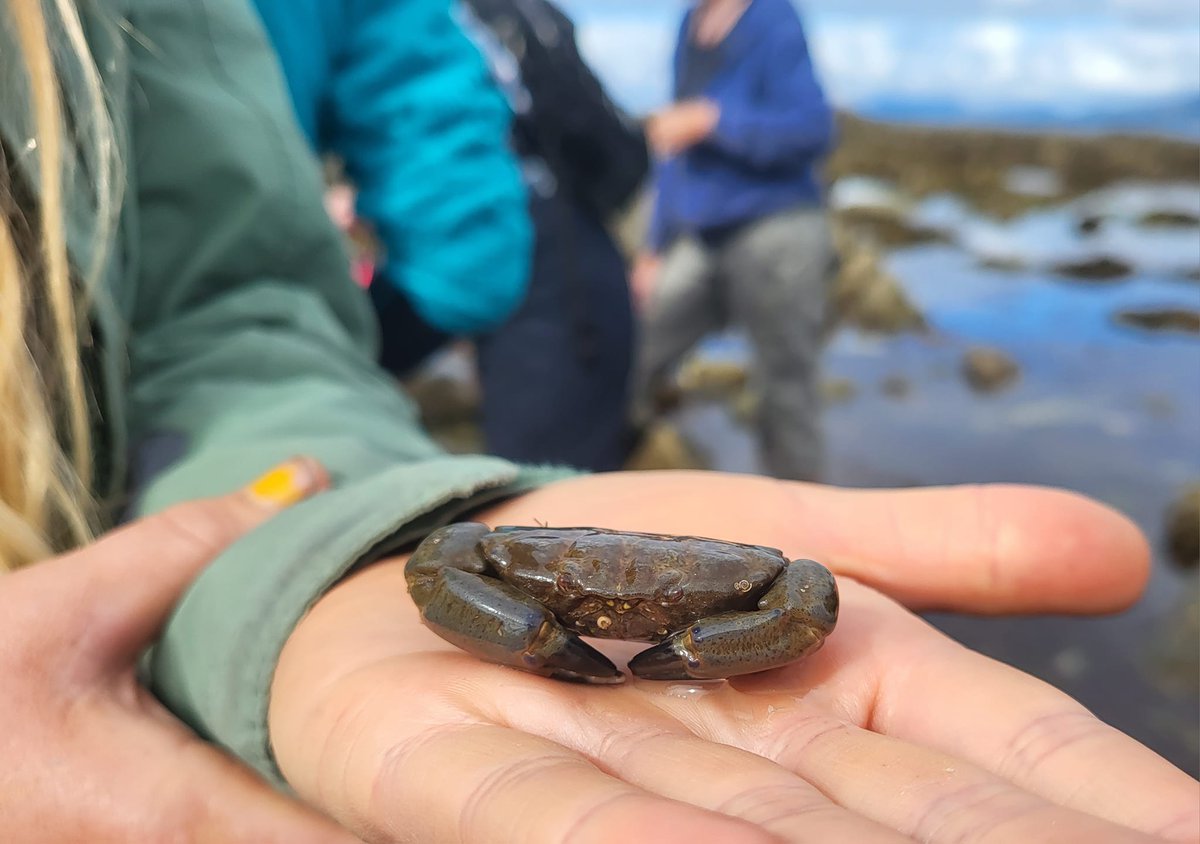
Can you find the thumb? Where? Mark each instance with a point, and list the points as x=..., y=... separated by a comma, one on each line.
x=240, y=808
x=132, y=578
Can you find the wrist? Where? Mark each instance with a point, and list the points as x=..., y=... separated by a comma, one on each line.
x=315, y=688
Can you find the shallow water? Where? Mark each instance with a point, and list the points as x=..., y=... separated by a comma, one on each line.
x=1047, y=237
x=1105, y=410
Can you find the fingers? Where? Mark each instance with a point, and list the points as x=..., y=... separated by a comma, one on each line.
x=807, y=720
x=392, y=775
x=927, y=795
x=887, y=671
x=979, y=549
x=174, y=785
x=131, y=579
x=919, y=792
x=238, y=807
x=627, y=738
x=739, y=784
x=396, y=748
x=990, y=548
x=508, y=786
x=1029, y=733
x=833, y=781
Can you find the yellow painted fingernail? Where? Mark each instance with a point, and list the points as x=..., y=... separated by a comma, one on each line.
x=287, y=484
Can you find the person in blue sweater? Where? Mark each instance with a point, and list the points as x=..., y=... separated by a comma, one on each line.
x=739, y=235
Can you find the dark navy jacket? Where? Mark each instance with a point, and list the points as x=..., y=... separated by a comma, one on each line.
x=775, y=126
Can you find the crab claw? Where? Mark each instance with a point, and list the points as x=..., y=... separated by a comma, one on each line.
x=494, y=621
x=668, y=661
x=793, y=619
x=564, y=656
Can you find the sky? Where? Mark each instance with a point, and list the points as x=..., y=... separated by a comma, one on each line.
x=1066, y=57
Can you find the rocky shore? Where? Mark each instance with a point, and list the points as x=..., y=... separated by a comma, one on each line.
x=994, y=173
x=979, y=165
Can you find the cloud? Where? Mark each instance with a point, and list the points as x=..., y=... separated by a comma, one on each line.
x=633, y=56
x=1072, y=55
x=999, y=62
x=1172, y=12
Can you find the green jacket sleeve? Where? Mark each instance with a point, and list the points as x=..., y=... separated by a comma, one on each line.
x=248, y=344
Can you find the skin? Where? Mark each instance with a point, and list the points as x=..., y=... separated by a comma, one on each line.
x=643, y=276
x=682, y=126
x=679, y=127
x=715, y=18
x=892, y=732
x=407, y=739
x=93, y=757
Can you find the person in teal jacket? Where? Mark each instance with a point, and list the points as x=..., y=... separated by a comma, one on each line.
x=218, y=334
x=398, y=92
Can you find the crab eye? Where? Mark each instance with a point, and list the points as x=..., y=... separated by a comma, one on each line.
x=567, y=583
x=673, y=594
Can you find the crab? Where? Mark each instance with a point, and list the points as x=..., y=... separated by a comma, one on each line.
x=523, y=597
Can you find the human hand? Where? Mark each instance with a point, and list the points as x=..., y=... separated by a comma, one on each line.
x=681, y=126
x=88, y=754
x=643, y=277
x=892, y=732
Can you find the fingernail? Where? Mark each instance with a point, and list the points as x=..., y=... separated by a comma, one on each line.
x=289, y=483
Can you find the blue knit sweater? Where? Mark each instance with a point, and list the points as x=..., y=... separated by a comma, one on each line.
x=775, y=126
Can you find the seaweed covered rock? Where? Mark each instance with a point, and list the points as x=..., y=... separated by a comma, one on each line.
x=1169, y=220
x=663, y=447
x=836, y=391
x=443, y=400
x=989, y=370
x=712, y=379
x=866, y=296
x=1183, y=528
x=978, y=164
x=896, y=386
x=887, y=228
x=449, y=410
x=1094, y=269
x=1182, y=320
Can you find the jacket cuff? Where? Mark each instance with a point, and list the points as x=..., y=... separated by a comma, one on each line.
x=730, y=133
x=216, y=660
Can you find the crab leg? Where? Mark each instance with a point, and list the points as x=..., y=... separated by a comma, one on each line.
x=792, y=621
x=450, y=582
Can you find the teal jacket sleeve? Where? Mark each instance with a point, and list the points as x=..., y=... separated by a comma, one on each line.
x=249, y=343
x=398, y=92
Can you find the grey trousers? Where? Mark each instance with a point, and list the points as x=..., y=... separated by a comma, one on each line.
x=771, y=279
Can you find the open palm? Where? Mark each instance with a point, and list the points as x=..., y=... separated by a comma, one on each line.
x=892, y=732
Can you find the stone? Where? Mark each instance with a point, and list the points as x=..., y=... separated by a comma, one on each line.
x=989, y=370
x=896, y=386
x=1094, y=269
x=1183, y=528
x=1183, y=320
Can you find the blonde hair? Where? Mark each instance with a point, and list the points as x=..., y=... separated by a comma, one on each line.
x=45, y=425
